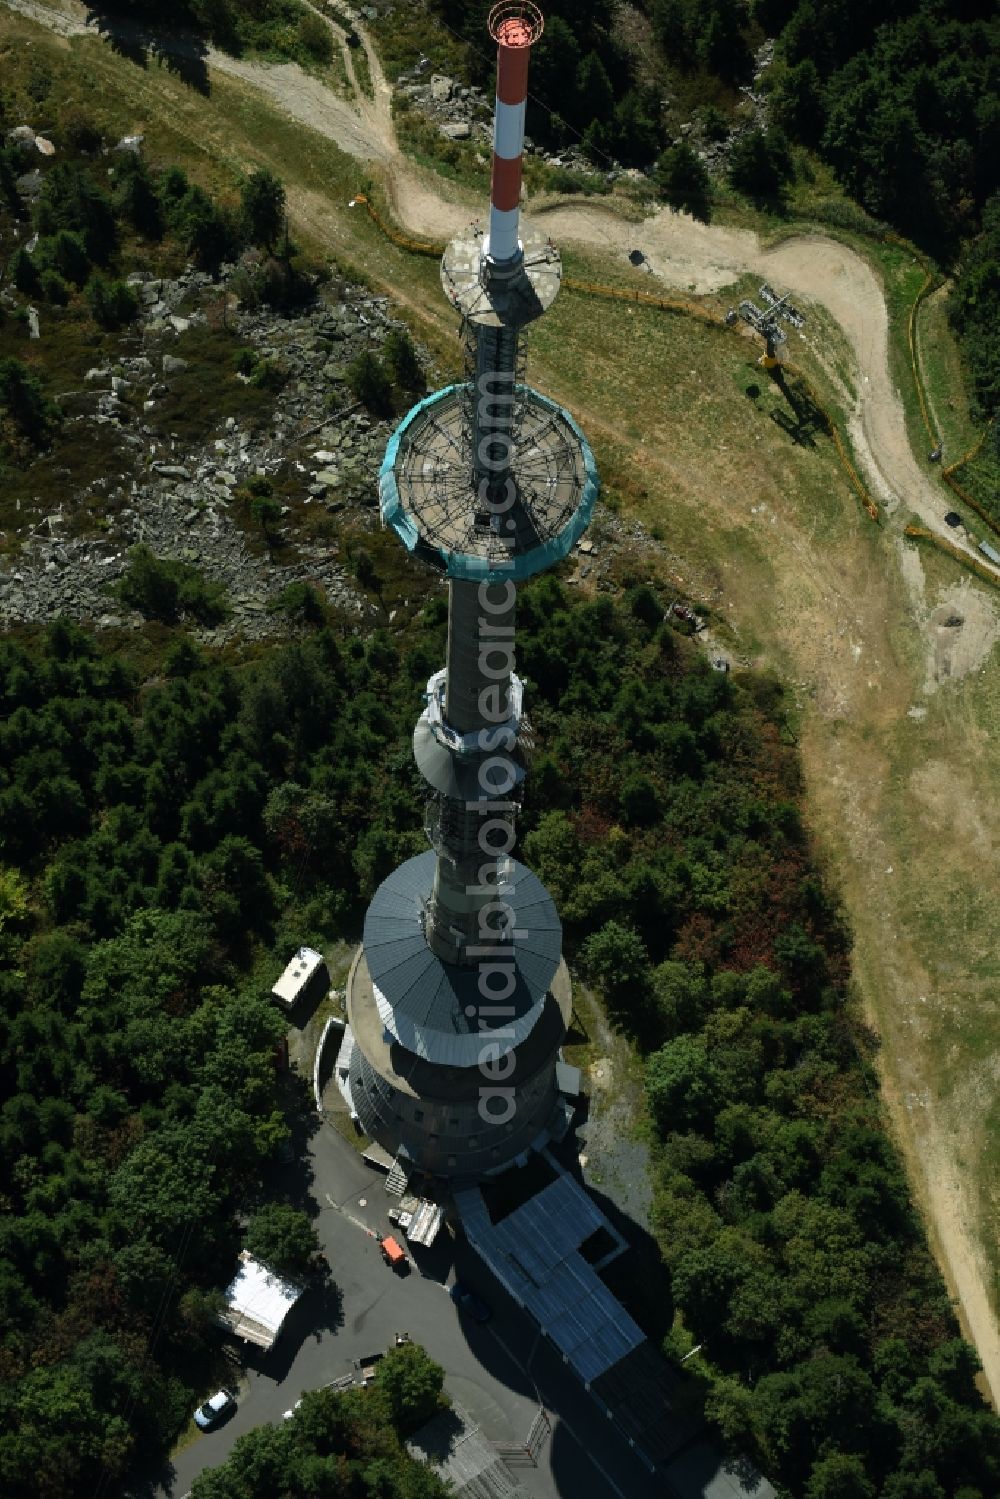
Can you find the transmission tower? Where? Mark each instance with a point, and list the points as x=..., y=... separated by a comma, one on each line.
x=460, y=976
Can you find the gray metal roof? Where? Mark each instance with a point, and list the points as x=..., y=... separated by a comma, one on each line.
x=453, y=1445
x=534, y=1253
x=452, y=776
x=435, y=995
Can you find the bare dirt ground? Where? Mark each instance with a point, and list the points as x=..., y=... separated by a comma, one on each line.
x=838, y=630
x=680, y=250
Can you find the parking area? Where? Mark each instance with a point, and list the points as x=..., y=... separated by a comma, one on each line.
x=501, y=1371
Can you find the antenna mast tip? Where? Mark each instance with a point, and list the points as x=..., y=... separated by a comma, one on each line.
x=515, y=23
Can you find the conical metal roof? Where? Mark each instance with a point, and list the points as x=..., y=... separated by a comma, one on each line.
x=433, y=1006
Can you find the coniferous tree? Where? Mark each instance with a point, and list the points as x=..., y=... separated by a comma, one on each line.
x=263, y=207
x=683, y=180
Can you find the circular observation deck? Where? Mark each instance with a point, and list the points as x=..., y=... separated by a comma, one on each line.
x=427, y=489
x=490, y=297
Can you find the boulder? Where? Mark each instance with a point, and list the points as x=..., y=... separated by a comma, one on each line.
x=441, y=88
x=29, y=185
x=456, y=130
x=172, y=365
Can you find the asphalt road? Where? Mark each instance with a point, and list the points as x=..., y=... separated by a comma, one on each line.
x=500, y=1372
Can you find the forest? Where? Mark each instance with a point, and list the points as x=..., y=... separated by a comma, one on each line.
x=282, y=28
x=672, y=840
x=168, y=833
x=172, y=822
x=902, y=101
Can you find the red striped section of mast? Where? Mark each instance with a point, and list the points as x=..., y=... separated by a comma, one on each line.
x=515, y=26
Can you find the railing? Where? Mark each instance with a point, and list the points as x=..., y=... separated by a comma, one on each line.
x=525, y=1455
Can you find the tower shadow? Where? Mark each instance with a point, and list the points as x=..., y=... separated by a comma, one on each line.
x=139, y=41
x=803, y=417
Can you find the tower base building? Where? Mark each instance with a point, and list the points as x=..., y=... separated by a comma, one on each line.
x=450, y=1120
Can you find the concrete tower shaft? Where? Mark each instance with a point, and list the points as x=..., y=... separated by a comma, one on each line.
x=473, y=833
x=495, y=354
x=480, y=658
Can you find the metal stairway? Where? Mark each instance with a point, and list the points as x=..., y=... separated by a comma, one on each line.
x=395, y=1182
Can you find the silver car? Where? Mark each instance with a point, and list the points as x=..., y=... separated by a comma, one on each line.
x=217, y=1406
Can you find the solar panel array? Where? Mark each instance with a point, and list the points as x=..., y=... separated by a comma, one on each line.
x=534, y=1252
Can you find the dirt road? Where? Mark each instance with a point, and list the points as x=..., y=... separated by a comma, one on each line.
x=700, y=258
x=680, y=251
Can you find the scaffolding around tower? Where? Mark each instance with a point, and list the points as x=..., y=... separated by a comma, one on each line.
x=426, y=494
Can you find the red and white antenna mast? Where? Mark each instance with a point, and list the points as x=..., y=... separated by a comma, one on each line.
x=515, y=25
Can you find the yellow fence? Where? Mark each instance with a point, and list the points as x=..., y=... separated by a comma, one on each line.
x=645, y=299
x=845, y=462
x=401, y=241
x=707, y=315
x=911, y=332
x=948, y=475
x=918, y=533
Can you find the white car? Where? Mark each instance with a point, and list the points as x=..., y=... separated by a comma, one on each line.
x=217, y=1406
